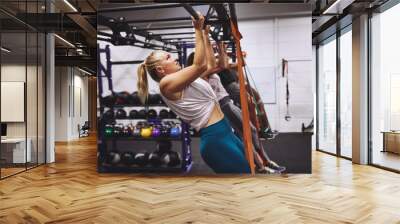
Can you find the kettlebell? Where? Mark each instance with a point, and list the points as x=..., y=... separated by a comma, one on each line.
x=175, y=132
x=164, y=131
x=136, y=132
x=108, y=130
x=156, y=132
x=118, y=130
x=146, y=132
x=126, y=131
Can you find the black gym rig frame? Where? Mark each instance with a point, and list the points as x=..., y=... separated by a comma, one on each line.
x=217, y=16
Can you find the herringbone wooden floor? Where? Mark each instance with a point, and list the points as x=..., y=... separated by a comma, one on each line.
x=71, y=191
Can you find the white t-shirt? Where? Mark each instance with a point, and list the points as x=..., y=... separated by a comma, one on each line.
x=216, y=85
x=196, y=105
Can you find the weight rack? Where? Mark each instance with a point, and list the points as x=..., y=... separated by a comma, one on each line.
x=105, y=72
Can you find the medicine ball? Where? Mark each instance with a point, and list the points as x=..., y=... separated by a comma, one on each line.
x=133, y=114
x=164, y=146
x=128, y=158
x=152, y=114
x=161, y=100
x=171, y=159
x=122, y=98
x=164, y=114
x=108, y=115
x=152, y=99
x=158, y=99
x=108, y=101
x=121, y=114
x=155, y=159
x=135, y=99
x=113, y=158
x=141, y=159
x=141, y=114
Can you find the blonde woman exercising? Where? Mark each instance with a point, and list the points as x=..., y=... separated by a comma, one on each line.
x=195, y=102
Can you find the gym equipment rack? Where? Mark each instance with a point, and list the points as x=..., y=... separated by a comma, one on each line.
x=103, y=139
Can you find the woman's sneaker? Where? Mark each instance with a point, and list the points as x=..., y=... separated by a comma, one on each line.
x=273, y=165
x=267, y=170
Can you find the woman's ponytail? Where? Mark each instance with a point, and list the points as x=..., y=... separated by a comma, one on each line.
x=142, y=83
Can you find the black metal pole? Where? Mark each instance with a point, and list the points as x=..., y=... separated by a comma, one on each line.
x=140, y=7
x=126, y=62
x=160, y=20
x=133, y=41
x=190, y=10
x=162, y=28
x=170, y=34
x=145, y=7
x=178, y=38
x=232, y=10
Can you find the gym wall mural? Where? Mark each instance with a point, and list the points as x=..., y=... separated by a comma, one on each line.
x=200, y=89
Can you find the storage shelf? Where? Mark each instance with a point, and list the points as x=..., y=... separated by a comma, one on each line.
x=136, y=169
x=135, y=105
x=127, y=138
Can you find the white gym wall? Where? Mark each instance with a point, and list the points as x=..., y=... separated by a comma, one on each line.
x=266, y=42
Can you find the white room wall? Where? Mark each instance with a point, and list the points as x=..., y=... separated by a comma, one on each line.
x=67, y=114
x=16, y=73
x=314, y=84
x=61, y=103
x=34, y=124
x=266, y=41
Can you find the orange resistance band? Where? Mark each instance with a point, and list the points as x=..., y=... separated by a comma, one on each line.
x=248, y=144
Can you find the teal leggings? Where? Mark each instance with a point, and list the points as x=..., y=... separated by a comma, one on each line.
x=222, y=150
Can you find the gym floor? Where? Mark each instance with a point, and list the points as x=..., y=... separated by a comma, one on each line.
x=71, y=191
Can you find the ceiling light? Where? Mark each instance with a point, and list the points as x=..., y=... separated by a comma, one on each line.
x=65, y=41
x=5, y=50
x=84, y=71
x=326, y=11
x=70, y=5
